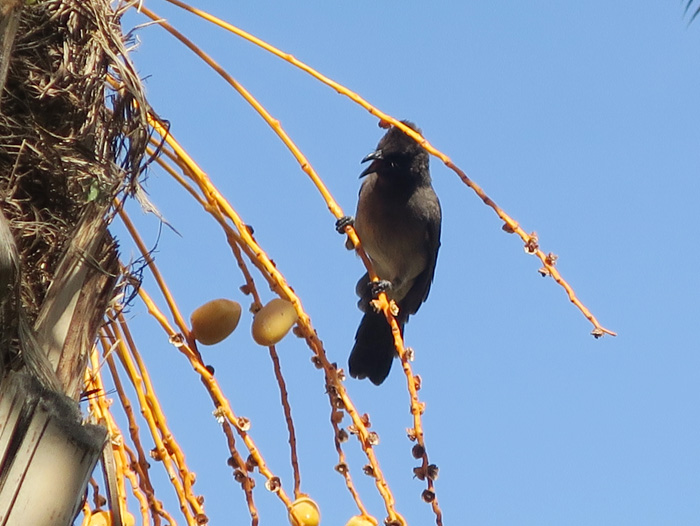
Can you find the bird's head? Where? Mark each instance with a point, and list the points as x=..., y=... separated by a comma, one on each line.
x=397, y=154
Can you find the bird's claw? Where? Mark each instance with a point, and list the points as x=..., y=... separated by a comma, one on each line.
x=343, y=222
x=377, y=287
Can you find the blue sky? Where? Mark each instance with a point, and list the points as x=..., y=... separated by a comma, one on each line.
x=579, y=119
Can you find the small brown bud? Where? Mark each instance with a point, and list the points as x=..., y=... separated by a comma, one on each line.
x=251, y=463
x=317, y=362
x=418, y=451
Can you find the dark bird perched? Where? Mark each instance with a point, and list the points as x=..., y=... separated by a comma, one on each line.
x=398, y=221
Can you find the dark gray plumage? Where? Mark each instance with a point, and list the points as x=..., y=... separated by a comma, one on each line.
x=398, y=220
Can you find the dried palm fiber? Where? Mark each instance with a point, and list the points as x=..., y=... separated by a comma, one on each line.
x=69, y=144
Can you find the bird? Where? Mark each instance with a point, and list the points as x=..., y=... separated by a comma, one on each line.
x=398, y=221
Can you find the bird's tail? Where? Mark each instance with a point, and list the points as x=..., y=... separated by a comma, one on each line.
x=374, y=349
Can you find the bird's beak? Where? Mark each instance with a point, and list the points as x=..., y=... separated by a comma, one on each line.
x=374, y=156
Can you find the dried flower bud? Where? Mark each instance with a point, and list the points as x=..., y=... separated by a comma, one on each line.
x=201, y=519
x=178, y=340
x=243, y=423
x=393, y=308
x=342, y=435
x=433, y=472
x=317, y=362
x=428, y=496
x=410, y=354
x=507, y=228
x=220, y=414
x=531, y=245
x=418, y=408
x=368, y=470
x=418, y=451
x=342, y=468
x=419, y=473
x=365, y=420
x=411, y=432
x=274, y=484
x=419, y=382
x=239, y=476
x=373, y=438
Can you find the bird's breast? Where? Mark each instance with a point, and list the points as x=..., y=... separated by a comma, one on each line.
x=394, y=237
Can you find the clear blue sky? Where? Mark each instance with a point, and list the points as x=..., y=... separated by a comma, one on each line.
x=581, y=119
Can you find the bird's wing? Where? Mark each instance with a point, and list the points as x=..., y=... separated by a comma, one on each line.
x=421, y=286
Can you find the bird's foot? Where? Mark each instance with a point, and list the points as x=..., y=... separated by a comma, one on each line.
x=377, y=287
x=343, y=222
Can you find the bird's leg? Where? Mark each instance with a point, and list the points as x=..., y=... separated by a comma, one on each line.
x=343, y=222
